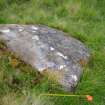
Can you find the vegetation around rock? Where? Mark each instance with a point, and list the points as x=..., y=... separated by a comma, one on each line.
x=85, y=20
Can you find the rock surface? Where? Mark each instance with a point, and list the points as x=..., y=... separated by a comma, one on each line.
x=47, y=50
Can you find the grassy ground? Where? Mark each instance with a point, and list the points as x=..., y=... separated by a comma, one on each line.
x=85, y=20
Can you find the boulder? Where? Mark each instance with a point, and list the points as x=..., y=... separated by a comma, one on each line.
x=48, y=50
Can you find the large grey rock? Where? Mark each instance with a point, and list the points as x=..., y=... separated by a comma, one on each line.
x=48, y=50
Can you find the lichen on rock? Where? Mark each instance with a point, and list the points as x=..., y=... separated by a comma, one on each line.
x=47, y=49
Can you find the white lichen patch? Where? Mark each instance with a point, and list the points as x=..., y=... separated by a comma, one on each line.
x=41, y=69
x=35, y=28
x=62, y=66
x=50, y=64
x=52, y=49
x=35, y=37
x=21, y=29
x=39, y=65
x=5, y=30
x=60, y=54
x=74, y=77
x=33, y=31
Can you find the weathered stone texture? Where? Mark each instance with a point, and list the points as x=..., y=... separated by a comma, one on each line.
x=47, y=49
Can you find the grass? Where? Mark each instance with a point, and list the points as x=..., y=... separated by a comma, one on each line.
x=82, y=19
